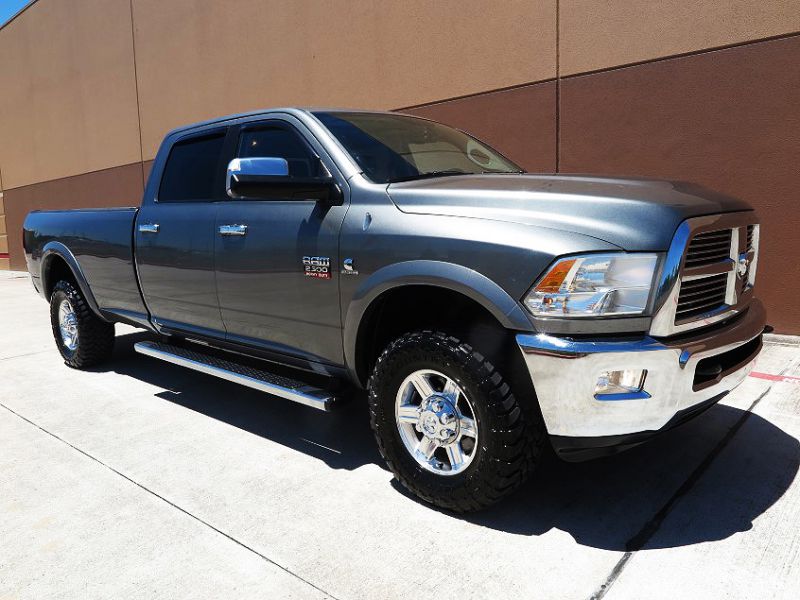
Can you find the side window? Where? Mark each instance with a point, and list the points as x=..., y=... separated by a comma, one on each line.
x=279, y=142
x=192, y=170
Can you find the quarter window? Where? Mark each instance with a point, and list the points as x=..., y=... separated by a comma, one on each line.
x=192, y=172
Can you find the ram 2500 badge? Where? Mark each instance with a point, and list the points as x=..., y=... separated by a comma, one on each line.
x=488, y=312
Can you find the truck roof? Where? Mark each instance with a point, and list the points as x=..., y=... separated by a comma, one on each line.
x=292, y=110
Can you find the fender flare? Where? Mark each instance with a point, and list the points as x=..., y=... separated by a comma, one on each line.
x=49, y=252
x=453, y=277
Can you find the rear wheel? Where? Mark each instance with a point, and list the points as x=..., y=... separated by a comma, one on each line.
x=82, y=338
x=448, y=425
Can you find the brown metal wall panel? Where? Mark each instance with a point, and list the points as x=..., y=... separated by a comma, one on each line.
x=197, y=59
x=119, y=186
x=598, y=35
x=146, y=167
x=728, y=119
x=520, y=123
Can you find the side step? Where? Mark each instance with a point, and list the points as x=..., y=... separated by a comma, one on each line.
x=277, y=385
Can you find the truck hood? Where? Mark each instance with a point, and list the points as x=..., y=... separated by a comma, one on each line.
x=634, y=214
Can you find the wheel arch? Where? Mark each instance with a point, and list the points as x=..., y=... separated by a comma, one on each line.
x=458, y=282
x=57, y=262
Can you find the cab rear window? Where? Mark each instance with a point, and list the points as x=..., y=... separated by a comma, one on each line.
x=192, y=172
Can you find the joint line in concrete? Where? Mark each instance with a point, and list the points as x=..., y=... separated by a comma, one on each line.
x=172, y=504
x=649, y=529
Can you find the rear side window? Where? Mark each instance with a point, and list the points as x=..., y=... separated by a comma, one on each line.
x=278, y=142
x=192, y=173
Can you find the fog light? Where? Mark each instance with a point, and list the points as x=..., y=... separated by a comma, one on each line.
x=621, y=385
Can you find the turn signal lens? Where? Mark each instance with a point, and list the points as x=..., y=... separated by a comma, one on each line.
x=551, y=282
x=594, y=285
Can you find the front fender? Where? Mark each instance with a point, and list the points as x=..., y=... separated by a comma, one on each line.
x=54, y=249
x=457, y=278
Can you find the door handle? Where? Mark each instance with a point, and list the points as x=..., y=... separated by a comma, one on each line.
x=148, y=228
x=233, y=229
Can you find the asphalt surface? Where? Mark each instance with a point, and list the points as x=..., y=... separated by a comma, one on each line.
x=144, y=480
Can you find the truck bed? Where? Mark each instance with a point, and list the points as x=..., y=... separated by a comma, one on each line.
x=101, y=241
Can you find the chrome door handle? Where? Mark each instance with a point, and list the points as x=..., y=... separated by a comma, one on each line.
x=233, y=229
x=148, y=228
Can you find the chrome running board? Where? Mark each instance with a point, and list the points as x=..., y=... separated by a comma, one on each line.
x=264, y=381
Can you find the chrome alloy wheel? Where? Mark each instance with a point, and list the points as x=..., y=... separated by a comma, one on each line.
x=68, y=325
x=436, y=422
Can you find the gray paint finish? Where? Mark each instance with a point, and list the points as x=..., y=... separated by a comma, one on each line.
x=633, y=214
x=176, y=264
x=96, y=244
x=488, y=237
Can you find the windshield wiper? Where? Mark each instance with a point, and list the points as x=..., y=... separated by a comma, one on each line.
x=429, y=174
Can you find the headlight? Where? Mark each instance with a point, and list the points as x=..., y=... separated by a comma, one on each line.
x=595, y=284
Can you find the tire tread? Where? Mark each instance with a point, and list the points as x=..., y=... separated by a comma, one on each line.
x=517, y=436
x=95, y=336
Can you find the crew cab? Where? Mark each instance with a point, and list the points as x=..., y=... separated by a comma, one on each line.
x=487, y=312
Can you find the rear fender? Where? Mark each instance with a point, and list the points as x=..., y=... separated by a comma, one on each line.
x=50, y=252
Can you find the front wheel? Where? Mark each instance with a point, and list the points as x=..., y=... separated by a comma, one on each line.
x=82, y=338
x=447, y=424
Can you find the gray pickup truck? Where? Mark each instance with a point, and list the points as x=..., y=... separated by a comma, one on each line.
x=486, y=311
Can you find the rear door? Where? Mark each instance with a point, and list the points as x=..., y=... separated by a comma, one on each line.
x=175, y=237
x=277, y=280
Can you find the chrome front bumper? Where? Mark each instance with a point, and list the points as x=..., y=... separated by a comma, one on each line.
x=565, y=372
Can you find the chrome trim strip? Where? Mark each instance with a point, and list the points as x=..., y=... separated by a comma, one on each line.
x=640, y=395
x=306, y=395
x=719, y=268
x=560, y=347
x=666, y=297
x=233, y=229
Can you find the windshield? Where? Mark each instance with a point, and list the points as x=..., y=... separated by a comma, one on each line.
x=391, y=148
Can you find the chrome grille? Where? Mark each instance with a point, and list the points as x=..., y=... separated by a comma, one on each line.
x=700, y=296
x=708, y=248
x=708, y=273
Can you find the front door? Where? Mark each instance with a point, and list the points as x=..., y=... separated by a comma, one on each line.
x=175, y=238
x=277, y=275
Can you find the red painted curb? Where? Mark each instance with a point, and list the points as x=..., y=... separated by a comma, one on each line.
x=771, y=377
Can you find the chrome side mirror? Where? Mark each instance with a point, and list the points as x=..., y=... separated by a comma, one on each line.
x=253, y=170
x=268, y=178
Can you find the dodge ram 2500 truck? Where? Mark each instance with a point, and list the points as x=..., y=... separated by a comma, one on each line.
x=485, y=310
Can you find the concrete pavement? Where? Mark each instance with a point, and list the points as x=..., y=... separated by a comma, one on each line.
x=142, y=479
